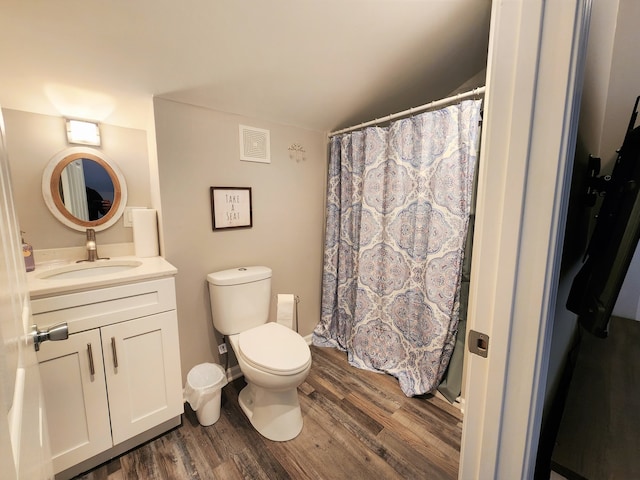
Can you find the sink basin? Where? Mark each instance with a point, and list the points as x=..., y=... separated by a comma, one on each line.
x=89, y=269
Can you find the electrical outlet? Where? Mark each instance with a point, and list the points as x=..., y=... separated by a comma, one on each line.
x=222, y=348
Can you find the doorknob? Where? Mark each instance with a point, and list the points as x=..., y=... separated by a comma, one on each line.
x=56, y=332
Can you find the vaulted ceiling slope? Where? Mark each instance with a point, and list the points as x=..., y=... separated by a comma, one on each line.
x=317, y=64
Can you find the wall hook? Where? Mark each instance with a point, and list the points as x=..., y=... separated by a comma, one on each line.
x=297, y=152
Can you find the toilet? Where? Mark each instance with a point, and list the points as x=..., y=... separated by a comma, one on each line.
x=273, y=358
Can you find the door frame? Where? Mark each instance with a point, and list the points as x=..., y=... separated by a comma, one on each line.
x=534, y=79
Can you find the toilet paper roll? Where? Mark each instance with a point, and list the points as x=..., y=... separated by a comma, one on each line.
x=286, y=310
x=145, y=232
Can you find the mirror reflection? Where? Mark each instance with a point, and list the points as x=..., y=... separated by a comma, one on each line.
x=84, y=190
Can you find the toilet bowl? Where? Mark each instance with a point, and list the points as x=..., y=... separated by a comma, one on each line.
x=275, y=361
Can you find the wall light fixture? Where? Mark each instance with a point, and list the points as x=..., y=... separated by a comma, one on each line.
x=83, y=133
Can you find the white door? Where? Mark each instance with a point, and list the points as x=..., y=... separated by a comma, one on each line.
x=24, y=447
x=534, y=77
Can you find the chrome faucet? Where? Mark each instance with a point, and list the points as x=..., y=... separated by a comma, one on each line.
x=92, y=247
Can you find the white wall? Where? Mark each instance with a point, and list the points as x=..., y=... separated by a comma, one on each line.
x=199, y=148
x=623, y=87
x=32, y=140
x=602, y=32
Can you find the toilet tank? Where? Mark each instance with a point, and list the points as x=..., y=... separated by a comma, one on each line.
x=240, y=298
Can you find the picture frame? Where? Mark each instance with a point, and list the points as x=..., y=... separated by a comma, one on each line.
x=231, y=207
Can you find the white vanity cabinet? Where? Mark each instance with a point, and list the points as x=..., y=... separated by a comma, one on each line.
x=116, y=381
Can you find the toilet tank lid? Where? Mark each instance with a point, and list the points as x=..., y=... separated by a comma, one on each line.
x=236, y=276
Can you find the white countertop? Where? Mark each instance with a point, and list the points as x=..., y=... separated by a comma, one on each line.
x=151, y=267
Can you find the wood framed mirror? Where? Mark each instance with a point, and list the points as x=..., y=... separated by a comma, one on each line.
x=84, y=189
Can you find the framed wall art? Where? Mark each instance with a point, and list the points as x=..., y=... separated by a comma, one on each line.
x=231, y=207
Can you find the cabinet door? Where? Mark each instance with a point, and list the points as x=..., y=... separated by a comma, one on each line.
x=142, y=366
x=75, y=398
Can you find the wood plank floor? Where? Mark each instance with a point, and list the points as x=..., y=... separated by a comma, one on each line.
x=358, y=425
x=599, y=435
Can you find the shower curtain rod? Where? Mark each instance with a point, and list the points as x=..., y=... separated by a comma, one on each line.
x=435, y=104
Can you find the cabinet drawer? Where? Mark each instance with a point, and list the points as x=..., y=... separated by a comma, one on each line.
x=96, y=308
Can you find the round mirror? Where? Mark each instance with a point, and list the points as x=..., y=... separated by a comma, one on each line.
x=83, y=189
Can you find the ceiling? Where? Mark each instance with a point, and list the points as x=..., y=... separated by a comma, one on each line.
x=317, y=64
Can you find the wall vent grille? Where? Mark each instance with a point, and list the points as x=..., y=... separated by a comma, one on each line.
x=254, y=144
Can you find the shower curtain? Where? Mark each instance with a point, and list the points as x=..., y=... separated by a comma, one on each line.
x=398, y=201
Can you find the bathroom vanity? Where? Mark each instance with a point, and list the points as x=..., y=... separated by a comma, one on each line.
x=116, y=381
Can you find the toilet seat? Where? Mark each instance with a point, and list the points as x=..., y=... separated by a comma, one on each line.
x=274, y=348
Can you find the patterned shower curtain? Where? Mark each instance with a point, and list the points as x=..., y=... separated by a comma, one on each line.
x=398, y=202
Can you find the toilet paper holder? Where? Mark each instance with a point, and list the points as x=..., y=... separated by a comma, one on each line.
x=296, y=301
x=295, y=297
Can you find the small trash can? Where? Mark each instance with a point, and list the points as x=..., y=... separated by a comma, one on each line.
x=203, y=391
